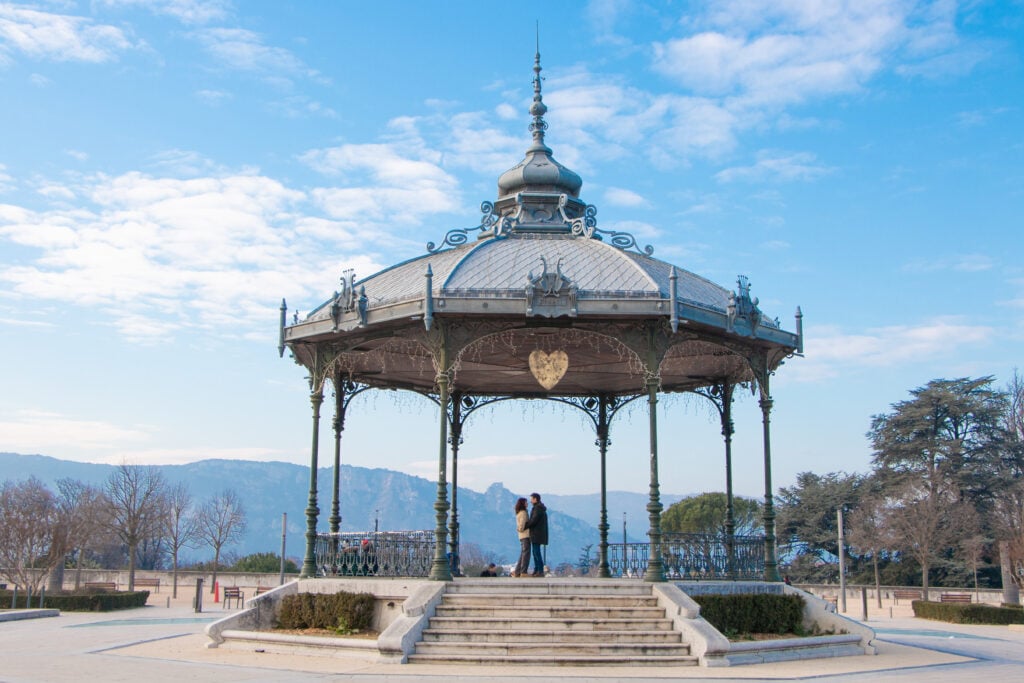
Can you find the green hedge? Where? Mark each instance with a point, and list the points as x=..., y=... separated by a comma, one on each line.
x=80, y=602
x=342, y=612
x=753, y=613
x=956, y=613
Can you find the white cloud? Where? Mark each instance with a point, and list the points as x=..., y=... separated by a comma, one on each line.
x=773, y=165
x=617, y=196
x=161, y=255
x=963, y=263
x=58, y=37
x=5, y=179
x=29, y=431
x=394, y=185
x=213, y=97
x=831, y=352
x=185, y=11
x=244, y=50
x=507, y=111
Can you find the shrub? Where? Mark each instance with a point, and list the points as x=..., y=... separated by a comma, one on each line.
x=753, y=613
x=956, y=613
x=342, y=612
x=263, y=563
x=93, y=601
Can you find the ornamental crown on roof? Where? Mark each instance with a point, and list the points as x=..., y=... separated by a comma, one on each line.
x=538, y=172
x=539, y=195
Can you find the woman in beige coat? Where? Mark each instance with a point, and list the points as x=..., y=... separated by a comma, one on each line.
x=524, y=538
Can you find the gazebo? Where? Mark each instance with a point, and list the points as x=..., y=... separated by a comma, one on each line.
x=539, y=302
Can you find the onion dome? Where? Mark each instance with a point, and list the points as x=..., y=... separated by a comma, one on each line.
x=538, y=171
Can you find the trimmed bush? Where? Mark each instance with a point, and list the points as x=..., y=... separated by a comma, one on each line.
x=956, y=613
x=342, y=612
x=753, y=613
x=93, y=601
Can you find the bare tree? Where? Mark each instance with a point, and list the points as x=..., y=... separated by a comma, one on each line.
x=180, y=527
x=1008, y=509
x=136, y=495
x=83, y=511
x=28, y=517
x=924, y=525
x=221, y=521
x=868, y=533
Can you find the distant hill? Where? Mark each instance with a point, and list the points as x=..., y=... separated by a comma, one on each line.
x=394, y=500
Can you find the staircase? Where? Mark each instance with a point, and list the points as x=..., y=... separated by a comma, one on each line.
x=528, y=621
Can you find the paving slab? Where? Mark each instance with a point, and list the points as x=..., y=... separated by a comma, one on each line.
x=161, y=643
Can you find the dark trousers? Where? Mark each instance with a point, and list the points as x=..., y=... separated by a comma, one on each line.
x=538, y=559
x=524, y=557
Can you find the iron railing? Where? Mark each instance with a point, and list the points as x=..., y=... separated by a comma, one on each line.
x=693, y=557
x=375, y=553
x=689, y=557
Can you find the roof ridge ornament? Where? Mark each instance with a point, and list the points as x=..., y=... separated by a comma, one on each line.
x=742, y=307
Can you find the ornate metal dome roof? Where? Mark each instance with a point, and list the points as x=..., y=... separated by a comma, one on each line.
x=538, y=258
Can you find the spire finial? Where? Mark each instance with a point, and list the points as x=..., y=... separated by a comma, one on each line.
x=538, y=109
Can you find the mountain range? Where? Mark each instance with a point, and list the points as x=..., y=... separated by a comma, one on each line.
x=369, y=498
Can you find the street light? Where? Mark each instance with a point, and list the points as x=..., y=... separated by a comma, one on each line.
x=842, y=560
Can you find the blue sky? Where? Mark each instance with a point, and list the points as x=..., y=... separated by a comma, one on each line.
x=170, y=169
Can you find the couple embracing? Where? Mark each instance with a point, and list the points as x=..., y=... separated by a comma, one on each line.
x=533, y=532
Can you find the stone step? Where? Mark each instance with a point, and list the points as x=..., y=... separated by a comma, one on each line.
x=566, y=660
x=530, y=623
x=591, y=649
x=500, y=611
x=477, y=636
x=517, y=599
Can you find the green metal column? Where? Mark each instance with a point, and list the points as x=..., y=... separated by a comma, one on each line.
x=655, y=565
x=312, y=511
x=339, y=425
x=730, y=511
x=771, y=564
x=441, y=570
x=602, y=527
x=455, y=440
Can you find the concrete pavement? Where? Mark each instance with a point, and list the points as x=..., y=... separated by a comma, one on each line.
x=160, y=643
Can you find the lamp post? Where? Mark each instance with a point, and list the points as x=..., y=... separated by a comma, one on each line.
x=842, y=560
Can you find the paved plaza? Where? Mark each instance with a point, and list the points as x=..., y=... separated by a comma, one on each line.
x=164, y=642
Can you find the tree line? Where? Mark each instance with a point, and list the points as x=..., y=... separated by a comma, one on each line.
x=942, y=503
x=135, y=518
x=944, y=498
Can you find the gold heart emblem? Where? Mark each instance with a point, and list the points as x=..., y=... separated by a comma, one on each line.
x=548, y=368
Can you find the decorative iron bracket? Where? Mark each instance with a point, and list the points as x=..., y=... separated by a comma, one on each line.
x=459, y=236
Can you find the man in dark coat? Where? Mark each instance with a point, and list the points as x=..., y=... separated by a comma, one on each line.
x=538, y=526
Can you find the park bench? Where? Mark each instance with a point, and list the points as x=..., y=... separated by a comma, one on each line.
x=906, y=595
x=101, y=585
x=962, y=598
x=148, y=583
x=233, y=593
x=260, y=590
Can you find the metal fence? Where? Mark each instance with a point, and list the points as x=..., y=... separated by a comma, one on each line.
x=375, y=553
x=693, y=557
